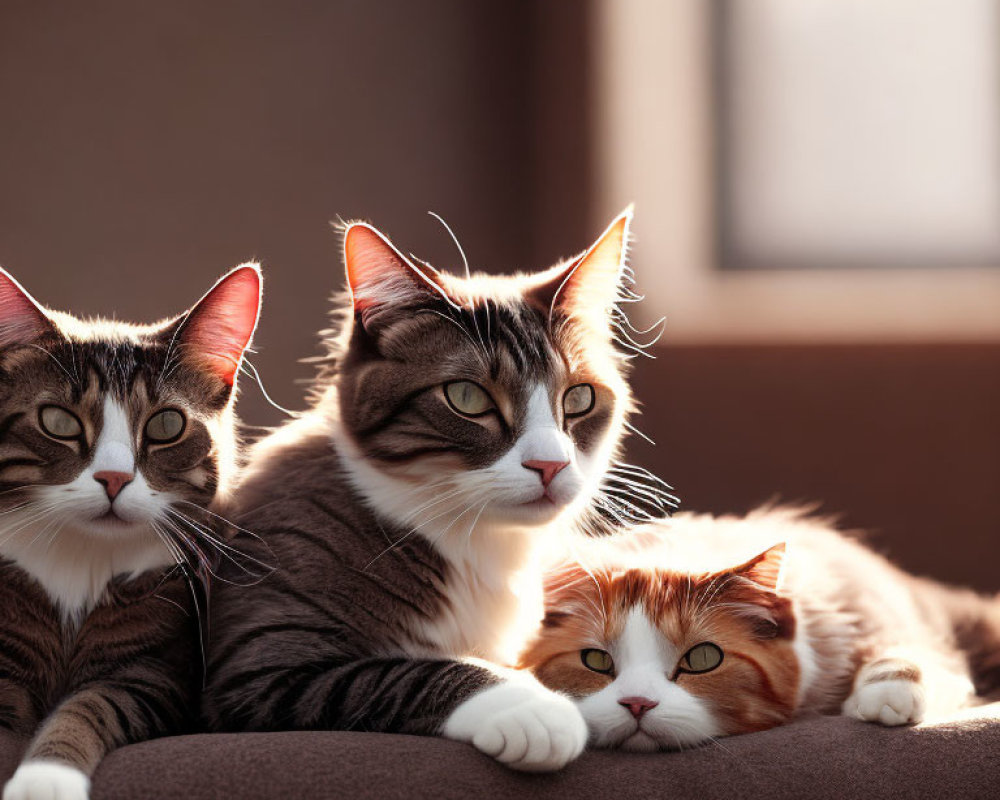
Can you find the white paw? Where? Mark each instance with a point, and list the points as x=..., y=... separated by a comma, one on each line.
x=887, y=702
x=521, y=724
x=47, y=780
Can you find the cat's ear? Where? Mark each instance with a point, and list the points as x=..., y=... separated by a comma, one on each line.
x=216, y=331
x=561, y=582
x=380, y=277
x=765, y=570
x=571, y=588
x=592, y=281
x=22, y=320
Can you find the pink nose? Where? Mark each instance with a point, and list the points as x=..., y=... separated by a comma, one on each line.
x=113, y=482
x=546, y=469
x=638, y=706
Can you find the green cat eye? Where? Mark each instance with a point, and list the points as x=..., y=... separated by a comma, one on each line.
x=702, y=657
x=597, y=660
x=578, y=400
x=59, y=423
x=165, y=426
x=467, y=398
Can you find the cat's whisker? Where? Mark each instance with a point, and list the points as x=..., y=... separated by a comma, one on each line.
x=638, y=433
x=224, y=550
x=653, y=495
x=625, y=340
x=247, y=368
x=640, y=472
x=409, y=533
x=632, y=510
x=468, y=276
x=168, y=543
x=220, y=518
x=430, y=504
x=601, y=606
x=478, y=346
x=451, y=524
x=475, y=521
x=33, y=517
x=56, y=361
x=615, y=515
x=204, y=563
x=181, y=561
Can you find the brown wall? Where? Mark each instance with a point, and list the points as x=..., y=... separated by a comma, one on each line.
x=147, y=147
x=902, y=441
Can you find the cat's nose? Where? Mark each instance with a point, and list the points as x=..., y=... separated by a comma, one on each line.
x=546, y=469
x=638, y=706
x=113, y=482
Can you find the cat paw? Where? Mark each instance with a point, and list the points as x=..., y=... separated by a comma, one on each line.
x=47, y=780
x=522, y=725
x=892, y=702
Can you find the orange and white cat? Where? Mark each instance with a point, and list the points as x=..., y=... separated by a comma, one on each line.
x=698, y=627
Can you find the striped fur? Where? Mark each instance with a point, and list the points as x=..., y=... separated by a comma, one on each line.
x=102, y=522
x=814, y=622
x=406, y=530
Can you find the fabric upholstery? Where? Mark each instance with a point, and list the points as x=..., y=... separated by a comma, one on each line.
x=823, y=758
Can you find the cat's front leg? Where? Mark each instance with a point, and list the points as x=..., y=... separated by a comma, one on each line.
x=520, y=723
x=143, y=702
x=889, y=691
x=902, y=685
x=67, y=749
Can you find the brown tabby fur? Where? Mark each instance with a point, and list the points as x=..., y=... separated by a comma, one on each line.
x=129, y=671
x=123, y=665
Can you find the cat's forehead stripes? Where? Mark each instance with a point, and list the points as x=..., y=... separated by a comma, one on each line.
x=388, y=384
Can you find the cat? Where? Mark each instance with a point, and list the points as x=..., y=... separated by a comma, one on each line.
x=115, y=439
x=699, y=627
x=454, y=421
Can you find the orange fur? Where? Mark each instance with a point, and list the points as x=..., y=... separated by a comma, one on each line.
x=756, y=685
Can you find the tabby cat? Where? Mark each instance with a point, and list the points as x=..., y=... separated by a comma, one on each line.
x=698, y=627
x=455, y=420
x=114, y=441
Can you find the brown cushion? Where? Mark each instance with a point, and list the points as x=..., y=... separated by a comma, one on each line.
x=822, y=757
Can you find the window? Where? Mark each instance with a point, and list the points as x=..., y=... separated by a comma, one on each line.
x=820, y=169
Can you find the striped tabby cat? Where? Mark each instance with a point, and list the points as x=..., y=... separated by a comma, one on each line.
x=114, y=438
x=695, y=628
x=454, y=421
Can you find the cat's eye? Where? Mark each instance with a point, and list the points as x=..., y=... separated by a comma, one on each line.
x=702, y=657
x=578, y=400
x=597, y=660
x=59, y=423
x=467, y=398
x=165, y=426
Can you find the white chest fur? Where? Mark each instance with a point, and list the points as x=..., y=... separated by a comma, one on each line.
x=73, y=567
x=492, y=591
x=492, y=596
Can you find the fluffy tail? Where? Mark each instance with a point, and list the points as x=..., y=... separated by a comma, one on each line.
x=976, y=625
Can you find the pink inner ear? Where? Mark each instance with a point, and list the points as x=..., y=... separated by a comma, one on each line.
x=765, y=569
x=597, y=273
x=218, y=329
x=377, y=273
x=21, y=320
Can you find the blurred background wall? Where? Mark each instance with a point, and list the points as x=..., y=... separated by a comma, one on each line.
x=817, y=187
x=145, y=148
